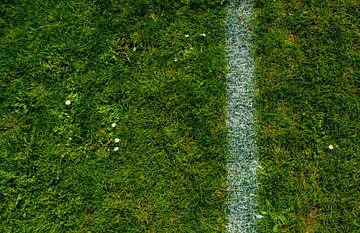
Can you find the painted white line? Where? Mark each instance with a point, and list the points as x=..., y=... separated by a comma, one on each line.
x=242, y=160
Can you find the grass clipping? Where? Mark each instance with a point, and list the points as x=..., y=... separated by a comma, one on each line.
x=242, y=161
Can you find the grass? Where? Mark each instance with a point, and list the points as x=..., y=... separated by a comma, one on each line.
x=115, y=62
x=307, y=65
x=129, y=63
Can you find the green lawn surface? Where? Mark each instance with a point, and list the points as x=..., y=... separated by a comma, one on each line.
x=128, y=62
x=124, y=62
x=308, y=84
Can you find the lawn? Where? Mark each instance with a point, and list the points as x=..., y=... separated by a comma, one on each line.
x=113, y=115
x=154, y=68
x=308, y=83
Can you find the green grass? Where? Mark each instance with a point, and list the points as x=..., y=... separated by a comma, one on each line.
x=307, y=65
x=115, y=61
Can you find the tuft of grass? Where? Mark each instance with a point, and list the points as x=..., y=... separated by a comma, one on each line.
x=308, y=83
x=115, y=62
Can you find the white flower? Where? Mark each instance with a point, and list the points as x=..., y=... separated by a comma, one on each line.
x=187, y=35
x=116, y=148
x=331, y=147
x=117, y=140
x=113, y=125
x=203, y=34
x=175, y=59
x=67, y=102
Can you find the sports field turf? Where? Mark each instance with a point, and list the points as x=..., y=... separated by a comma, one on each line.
x=123, y=62
x=156, y=68
x=307, y=65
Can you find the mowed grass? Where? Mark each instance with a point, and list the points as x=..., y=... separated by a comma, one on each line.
x=124, y=62
x=308, y=83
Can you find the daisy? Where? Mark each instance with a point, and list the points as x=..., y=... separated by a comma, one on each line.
x=67, y=102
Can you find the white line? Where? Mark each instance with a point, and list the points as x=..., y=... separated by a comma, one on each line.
x=242, y=160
